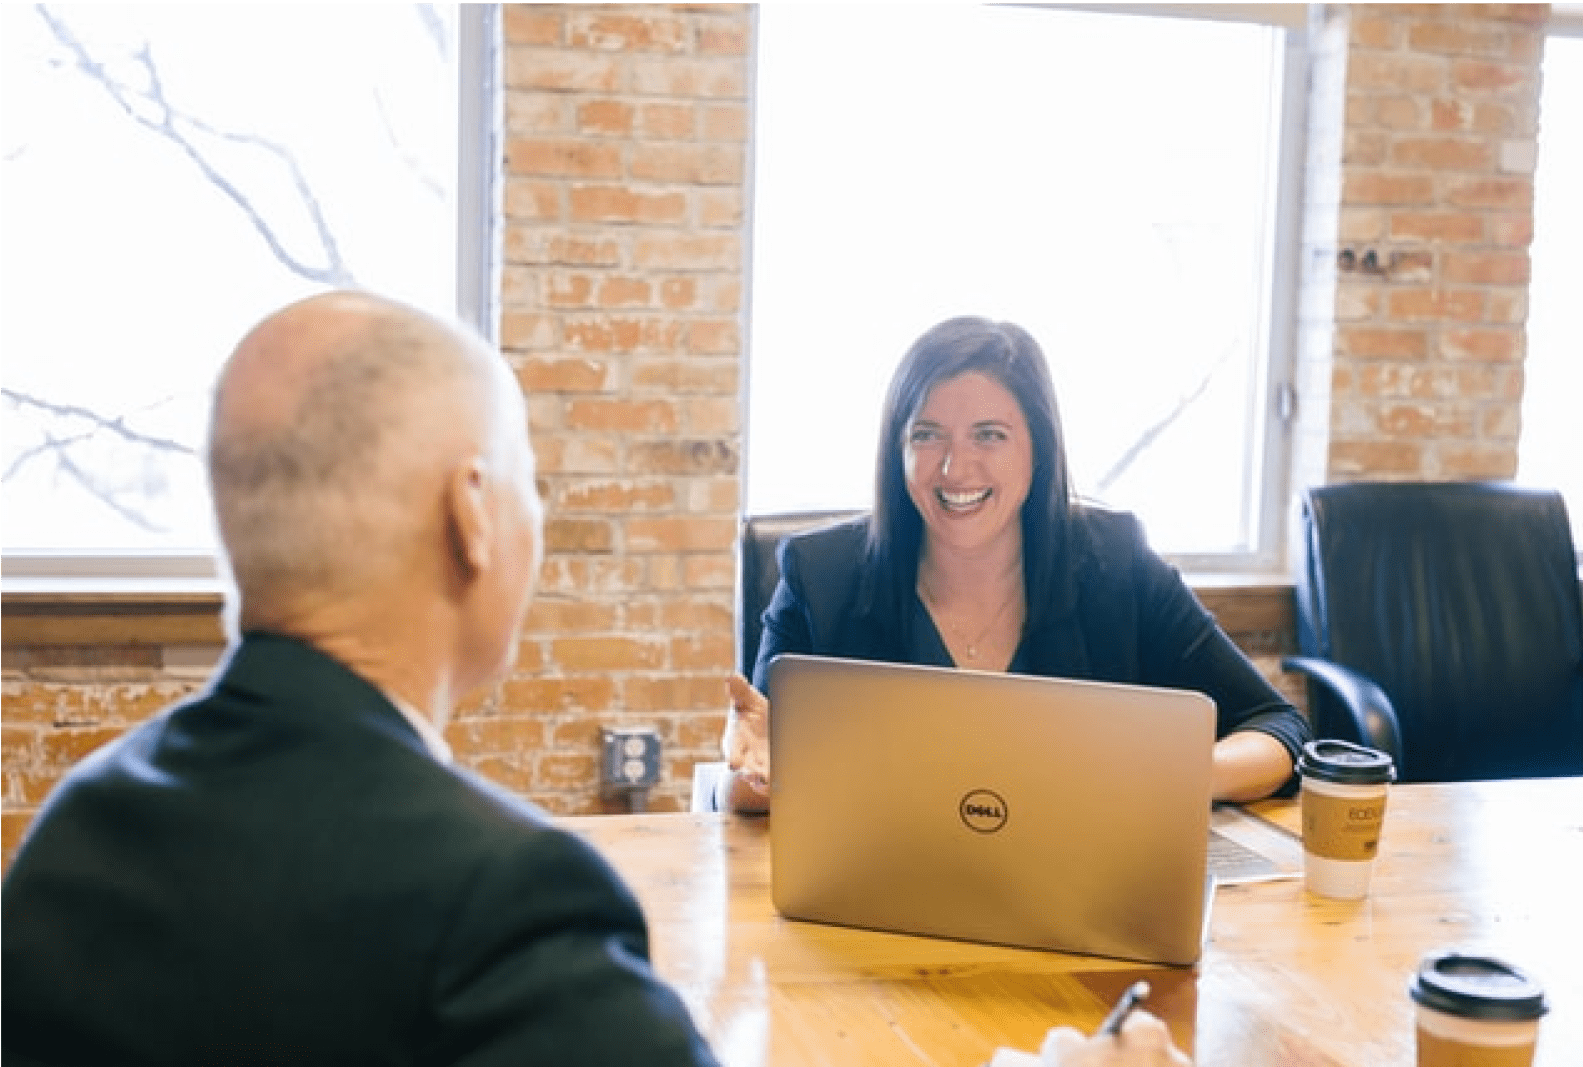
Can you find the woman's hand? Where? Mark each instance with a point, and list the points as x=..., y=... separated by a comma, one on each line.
x=746, y=745
x=1249, y=765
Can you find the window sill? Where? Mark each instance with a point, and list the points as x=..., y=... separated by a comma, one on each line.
x=123, y=611
x=141, y=612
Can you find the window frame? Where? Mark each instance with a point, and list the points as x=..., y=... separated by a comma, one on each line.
x=478, y=224
x=1277, y=391
x=1566, y=20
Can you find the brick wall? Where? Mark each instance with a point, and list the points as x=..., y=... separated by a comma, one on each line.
x=1429, y=255
x=627, y=133
x=624, y=244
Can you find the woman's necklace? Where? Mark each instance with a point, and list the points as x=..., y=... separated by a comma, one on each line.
x=971, y=648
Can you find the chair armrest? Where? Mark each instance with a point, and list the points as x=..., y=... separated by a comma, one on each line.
x=1366, y=703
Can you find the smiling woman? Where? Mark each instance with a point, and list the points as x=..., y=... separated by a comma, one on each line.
x=969, y=465
x=977, y=556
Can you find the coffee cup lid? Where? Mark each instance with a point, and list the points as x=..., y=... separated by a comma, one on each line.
x=1476, y=987
x=1345, y=763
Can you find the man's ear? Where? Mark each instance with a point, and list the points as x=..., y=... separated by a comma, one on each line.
x=467, y=516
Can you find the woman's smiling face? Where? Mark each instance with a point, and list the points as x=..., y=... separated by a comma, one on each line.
x=968, y=458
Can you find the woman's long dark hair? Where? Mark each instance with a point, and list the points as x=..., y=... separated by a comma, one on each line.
x=1006, y=353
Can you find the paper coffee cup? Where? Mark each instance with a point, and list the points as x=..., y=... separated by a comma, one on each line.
x=1345, y=787
x=1475, y=1011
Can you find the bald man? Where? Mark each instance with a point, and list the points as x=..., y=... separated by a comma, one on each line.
x=289, y=868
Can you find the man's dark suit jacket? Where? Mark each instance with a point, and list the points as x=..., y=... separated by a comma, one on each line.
x=1133, y=621
x=280, y=872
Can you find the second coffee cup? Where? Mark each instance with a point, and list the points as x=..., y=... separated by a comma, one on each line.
x=1475, y=1011
x=1345, y=787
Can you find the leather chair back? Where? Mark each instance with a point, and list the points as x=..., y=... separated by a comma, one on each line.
x=758, y=570
x=1461, y=601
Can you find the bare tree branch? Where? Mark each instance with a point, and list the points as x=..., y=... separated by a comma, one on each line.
x=115, y=425
x=102, y=493
x=50, y=444
x=409, y=159
x=1152, y=433
x=434, y=25
x=134, y=84
x=60, y=449
x=149, y=108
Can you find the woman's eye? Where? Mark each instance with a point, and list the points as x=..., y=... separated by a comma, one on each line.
x=990, y=435
x=922, y=435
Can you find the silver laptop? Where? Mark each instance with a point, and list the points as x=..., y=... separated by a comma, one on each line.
x=1035, y=812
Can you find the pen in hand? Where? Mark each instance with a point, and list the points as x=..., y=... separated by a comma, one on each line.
x=1134, y=996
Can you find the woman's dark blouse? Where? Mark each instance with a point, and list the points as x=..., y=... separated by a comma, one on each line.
x=1133, y=621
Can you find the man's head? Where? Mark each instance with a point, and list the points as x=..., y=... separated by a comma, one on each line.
x=366, y=457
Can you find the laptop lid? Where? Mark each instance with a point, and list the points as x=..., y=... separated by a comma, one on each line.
x=1036, y=812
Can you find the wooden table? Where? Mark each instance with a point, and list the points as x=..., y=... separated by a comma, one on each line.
x=1287, y=979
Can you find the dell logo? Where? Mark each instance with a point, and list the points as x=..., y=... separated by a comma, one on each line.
x=983, y=811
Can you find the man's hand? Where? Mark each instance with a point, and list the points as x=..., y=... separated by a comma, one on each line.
x=1143, y=1042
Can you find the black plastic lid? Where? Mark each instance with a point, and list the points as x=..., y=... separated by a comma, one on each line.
x=1345, y=763
x=1476, y=987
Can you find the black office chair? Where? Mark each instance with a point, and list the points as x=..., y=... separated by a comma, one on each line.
x=1442, y=623
x=758, y=572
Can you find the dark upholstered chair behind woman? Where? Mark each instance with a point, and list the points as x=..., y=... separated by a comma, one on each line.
x=1442, y=623
x=758, y=572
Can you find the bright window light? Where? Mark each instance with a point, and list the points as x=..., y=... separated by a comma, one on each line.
x=1550, y=452
x=1109, y=182
x=170, y=175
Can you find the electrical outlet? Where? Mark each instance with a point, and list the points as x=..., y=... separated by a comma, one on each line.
x=631, y=758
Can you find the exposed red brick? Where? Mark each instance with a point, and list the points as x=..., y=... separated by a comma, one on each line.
x=578, y=535
x=605, y=117
x=630, y=495
x=532, y=24
x=630, y=416
x=558, y=69
x=684, y=457
x=691, y=164
x=1485, y=268
x=1456, y=226
x=1375, y=458
x=622, y=203
x=1443, y=153
x=1478, y=460
x=1386, y=187
x=1421, y=305
x=1493, y=345
x=1383, y=342
x=686, y=376
x=1515, y=194
x=660, y=534
x=612, y=30
x=563, y=158
x=668, y=122
x=614, y=653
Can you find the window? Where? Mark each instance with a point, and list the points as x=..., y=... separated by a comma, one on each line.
x=1122, y=186
x=1552, y=433
x=170, y=175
